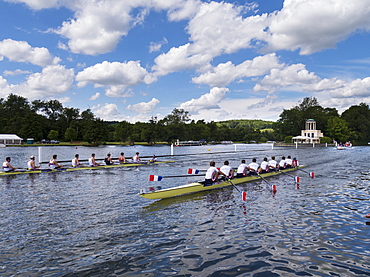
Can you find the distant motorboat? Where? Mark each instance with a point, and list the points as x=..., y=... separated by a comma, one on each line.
x=2, y=145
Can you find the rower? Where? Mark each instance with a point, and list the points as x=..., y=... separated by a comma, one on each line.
x=108, y=160
x=53, y=164
x=122, y=159
x=31, y=164
x=253, y=167
x=92, y=161
x=136, y=159
x=7, y=166
x=227, y=170
x=242, y=169
x=75, y=162
x=288, y=162
x=264, y=168
x=282, y=163
x=272, y=164
x=212, y=174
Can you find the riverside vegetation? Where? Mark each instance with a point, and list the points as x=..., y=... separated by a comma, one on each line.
x=49, y=119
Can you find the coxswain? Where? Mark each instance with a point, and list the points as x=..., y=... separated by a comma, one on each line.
x=153, y=159
x=212, y=174
x=136, y=159
x=31, y=164
x=122, y=159
x=295, y=162
x=242, y=170
x=53, y=164
x=75, y=162
x=264, y=168
x=7, y=167
x=108, y=160
x=227, y=170
x=92, y=161
x=253, y=167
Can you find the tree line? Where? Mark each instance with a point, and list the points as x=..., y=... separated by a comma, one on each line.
x=50, y=119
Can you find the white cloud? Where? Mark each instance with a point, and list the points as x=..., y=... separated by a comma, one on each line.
x=156, y=46
x=144, y=107
x=37, y=4
x=225, y=73
x=95, y=96
x=116, y=76
x=15, y=72
x=209, y=100
x=355, y=88
x=108, y=111
x=52, y=81
x=21, y=51
x=314, y=25
x=217, y=28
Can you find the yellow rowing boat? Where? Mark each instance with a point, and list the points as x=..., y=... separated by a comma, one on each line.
x=199, y=186
x=48, y=170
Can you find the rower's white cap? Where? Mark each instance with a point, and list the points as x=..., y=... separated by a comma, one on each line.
x=32, y=157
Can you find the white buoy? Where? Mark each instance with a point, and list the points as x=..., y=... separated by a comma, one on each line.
x=171, y=149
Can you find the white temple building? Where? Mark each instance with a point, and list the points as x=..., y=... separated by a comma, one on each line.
x=310, y=134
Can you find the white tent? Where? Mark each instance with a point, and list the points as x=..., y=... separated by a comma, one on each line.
x=10, y=139
x=302, y=139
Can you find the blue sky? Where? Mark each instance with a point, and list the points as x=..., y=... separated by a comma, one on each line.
x=132, y=60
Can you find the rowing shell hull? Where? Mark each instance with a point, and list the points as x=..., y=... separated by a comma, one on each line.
x=46, y=170
x=196, y=187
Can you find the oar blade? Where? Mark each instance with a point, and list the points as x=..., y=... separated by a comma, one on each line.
x=297, y=179
x=244, y=195
x=155, y=178
x=193, y=171
x=312, y=174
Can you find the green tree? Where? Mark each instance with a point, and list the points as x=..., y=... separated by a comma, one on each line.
x=358, y=118
x=70, y=134
x=53, y=135
x=338, y=129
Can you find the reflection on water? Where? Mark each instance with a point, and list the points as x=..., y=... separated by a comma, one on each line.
x=93, y=222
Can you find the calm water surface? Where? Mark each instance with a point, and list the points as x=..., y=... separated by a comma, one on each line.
x=93, y=223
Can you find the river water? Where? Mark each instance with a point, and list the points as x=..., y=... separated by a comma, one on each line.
x=93, y=223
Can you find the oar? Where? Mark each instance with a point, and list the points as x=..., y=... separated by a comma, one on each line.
x=159, y=178
x=311, y=174
x=296, y=178
x=273, y=187
x=244, y=193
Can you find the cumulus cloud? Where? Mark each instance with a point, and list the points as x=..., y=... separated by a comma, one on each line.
x=225, y=73
x=107, y=111
x=355, y=88
x=144, y=107
x=21, y=51
x=209, y=100
x=52, y=81
x=95, y=96
x=217, y=28
x=115, y=75
x=292, y=28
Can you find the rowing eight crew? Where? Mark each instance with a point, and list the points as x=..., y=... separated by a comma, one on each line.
x=53, y=164
x=243, y=170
